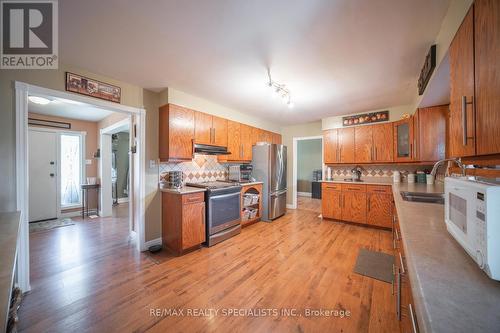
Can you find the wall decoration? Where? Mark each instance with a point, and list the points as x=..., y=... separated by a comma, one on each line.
x=90, y=87
x=427, y=69
x=366, y=118
x=48, y=123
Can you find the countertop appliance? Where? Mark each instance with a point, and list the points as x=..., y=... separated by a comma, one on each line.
x=472, y=215
x=269, y=167
x=241, y=173
x=223, y=210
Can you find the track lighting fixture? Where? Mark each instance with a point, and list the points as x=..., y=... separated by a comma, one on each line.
x=280, y=90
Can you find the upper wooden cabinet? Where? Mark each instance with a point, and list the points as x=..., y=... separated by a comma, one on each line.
x=265, y=136
x=430, y=133
x=203, y=128
x=331, y=146
x=210, y=130
x=403, y=140
x=246, y=142
x=234, y=141
x=363, y=144
x=346, y=145
x=487, y=75
x=461, y=126
x=383, y=142
x=176, y=133
x=474, y=123
x=276, y=138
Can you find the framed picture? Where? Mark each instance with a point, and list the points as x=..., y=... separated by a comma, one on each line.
x=366, y=118
x=90, y=87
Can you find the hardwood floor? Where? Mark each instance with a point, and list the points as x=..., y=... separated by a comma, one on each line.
x=88, y=277
x=307, y=203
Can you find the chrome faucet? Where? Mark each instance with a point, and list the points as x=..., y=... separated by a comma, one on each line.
x=436, y=166
x=356, y=174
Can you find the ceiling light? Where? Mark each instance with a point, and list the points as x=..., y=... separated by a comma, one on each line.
x=39, y=100
x=280, y=90
x=69, y=101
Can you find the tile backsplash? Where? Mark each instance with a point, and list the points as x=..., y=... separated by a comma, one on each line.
x=202, y=168
x=378, y=170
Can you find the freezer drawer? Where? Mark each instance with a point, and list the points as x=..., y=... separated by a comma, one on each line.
x=277, y=204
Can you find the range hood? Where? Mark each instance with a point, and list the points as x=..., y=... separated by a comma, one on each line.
x=210, y=150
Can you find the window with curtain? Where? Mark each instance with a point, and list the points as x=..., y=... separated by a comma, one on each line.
x=71, y=169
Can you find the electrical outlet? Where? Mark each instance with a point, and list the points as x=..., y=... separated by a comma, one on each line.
x=152, y=164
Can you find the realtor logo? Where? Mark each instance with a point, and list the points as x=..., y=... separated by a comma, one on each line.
x=29, y=34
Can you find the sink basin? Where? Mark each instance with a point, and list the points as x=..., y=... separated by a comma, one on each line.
x=423, y=197
x=352, y=180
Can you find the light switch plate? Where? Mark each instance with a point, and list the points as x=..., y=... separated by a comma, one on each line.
x=152, y=164
x=88, y=162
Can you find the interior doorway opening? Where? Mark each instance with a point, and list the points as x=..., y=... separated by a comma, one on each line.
x=307, y=172
x=85, y=156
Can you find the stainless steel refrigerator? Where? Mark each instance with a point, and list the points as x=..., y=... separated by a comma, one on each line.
x=269, y=167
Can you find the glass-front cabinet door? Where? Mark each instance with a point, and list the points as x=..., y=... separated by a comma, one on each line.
x=403, y=140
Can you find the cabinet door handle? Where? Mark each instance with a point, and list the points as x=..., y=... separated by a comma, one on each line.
x=413, y=323
x=464, y=120
x=340, y=154
x=403, y=271
x=414, y=148
x=375, y=153
x=393, y=278
x=369, y=202
x=398, y=295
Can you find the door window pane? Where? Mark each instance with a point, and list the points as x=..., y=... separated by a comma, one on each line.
x=71, y=172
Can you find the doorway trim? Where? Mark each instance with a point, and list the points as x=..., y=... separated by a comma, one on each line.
x=22, y=90
x=294, y=180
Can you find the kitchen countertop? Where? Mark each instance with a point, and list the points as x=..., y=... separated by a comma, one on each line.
x=365, y=180
x=451, y=293
x=9, y=234
x=182, y=190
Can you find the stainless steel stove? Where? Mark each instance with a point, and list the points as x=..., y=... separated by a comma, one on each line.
x=223, y=210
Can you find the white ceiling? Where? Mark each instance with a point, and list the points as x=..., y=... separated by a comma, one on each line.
x=336, y=56
x=68, y=109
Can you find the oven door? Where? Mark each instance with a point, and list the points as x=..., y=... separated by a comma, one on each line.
x=224, y=211
x=459, y=202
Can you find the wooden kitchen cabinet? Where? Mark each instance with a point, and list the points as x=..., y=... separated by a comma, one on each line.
x=346, y=145
x=330, y=201
x=202, y=128
x=276, y=138
x=234, y=145
x=210, y=130
x=265, y=136
x=354, y=203
x=379, y=205
x=176, y=133
x=251, y=189
x=487, y=76
x=430, y=133
x=246, y=142
x=363, y=144
x=383, y=143
x=461, y=123
x=219, y=126
x=403, y=140
x=330, y=146
x=183, y=221
x=475, y=82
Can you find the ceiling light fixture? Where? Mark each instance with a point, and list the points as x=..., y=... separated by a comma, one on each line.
x=39, y=100
x=280, y=90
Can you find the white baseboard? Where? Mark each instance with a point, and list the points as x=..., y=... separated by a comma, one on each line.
x=304, y=194
x=122, y=200
x=290, y=206
x=152, y=242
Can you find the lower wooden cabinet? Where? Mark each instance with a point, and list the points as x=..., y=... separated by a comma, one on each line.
x=359, y=203
x=330, y=201
x=354, y=203
x=183, y=221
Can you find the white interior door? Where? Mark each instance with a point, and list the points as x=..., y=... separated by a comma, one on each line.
x=42, y=149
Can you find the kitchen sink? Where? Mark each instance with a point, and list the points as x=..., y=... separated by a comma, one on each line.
x=423, y=197
x=352, y=180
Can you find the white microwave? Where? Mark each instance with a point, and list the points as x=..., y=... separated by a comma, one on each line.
x=472, y=215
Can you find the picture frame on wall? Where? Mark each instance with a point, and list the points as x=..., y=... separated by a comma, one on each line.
x=366, y=118
x=86, y=86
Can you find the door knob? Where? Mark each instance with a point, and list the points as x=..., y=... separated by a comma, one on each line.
x=52, y=163
x=52, y=175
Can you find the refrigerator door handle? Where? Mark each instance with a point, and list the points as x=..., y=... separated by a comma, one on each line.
x=277, y=193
